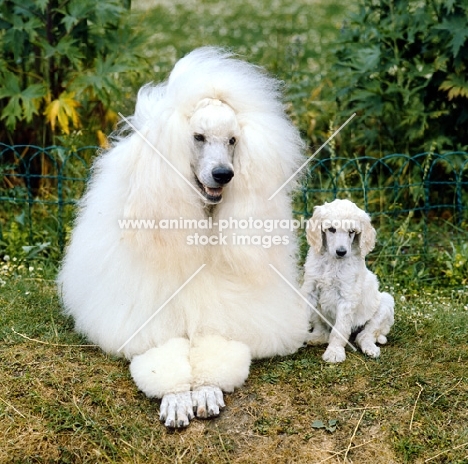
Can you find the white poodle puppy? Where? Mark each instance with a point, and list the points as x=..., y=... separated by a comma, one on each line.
x=343, y=293
x=155, y=270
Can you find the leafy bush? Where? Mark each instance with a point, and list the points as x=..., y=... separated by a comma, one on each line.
x=402, y=66
x=453, y=264
x=36, y=210
x=63, y=67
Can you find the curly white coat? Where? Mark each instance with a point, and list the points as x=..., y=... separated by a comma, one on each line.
x=343, y=293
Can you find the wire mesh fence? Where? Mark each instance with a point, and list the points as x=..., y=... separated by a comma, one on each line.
x=38, y=192
x=418, y=203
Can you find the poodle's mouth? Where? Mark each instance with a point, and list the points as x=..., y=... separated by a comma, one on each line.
x=213, y=195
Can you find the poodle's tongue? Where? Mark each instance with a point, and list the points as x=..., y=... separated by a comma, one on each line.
x=213, y=192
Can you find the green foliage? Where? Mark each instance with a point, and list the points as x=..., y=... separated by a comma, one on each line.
x=401, y=255
x=37, y=210
x=64, y=66
x=329, y=427
x=20, y=249
x=402, y=67
x=452, y=263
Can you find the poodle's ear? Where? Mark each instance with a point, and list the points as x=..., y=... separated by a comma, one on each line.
x=314, y=230
x=368, y=234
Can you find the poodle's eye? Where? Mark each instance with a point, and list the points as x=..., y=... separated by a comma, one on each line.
x=199, y=137
x=232, y=141
x=332, y=230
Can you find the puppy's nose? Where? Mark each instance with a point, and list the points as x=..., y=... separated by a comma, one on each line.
x=341, y=251
x=222, y=174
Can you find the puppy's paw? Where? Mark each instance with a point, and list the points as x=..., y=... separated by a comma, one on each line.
x=317, y=338
x=176, y=410
x=207, y=401
x=334, y=354
x=371, y=349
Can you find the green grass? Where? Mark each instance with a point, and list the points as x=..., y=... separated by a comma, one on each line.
x=63, y=401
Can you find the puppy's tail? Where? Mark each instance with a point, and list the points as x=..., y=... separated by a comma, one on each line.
x=387, y=311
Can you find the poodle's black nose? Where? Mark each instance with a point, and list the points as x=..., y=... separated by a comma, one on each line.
x=222, y=174
x=341, y=251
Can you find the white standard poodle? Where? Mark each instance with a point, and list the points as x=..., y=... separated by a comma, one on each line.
x=343, y=294
x=190, y=305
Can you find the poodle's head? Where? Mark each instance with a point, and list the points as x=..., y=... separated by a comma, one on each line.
x=220, y=123
x=341, y=229
x=215, y=132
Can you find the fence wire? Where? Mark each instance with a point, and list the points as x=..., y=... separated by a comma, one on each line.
x=417, y=203
x=39, y=190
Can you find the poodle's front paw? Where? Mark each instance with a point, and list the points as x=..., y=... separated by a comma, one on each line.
x=207, y=401
x=371, y=349
x=317, y=338
x=176, y=409
x=334, y=354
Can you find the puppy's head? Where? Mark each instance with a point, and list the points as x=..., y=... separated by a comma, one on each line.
x=340, y=229
x=215, y=133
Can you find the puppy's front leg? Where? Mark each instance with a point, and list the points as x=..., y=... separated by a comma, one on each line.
x=339, y=335
x=320, y=331
x=310, y=292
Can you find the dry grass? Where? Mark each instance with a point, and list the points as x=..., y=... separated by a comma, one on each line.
x=63, y=403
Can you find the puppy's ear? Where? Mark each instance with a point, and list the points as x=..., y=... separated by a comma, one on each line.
x=314, y=230
x=368, y=234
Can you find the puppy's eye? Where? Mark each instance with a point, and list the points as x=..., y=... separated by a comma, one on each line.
x=332, y=230
x=232, y=141
x=199, y=137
